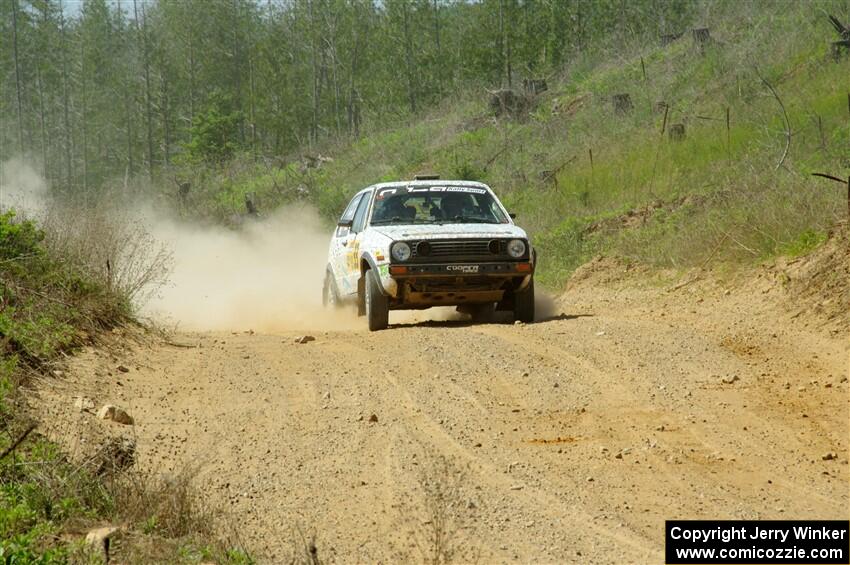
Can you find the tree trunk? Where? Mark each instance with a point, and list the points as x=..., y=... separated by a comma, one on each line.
x=579, y=28
x=237, y=65
x=85, y=117
x=334, y=69
x=509, y=47
x=42, y=121
x=408, y=51
x=314, y=123
x=146, y=63
x=440, y=86
x=501, y=43
x=251, y=108
x=69, y=171
x=17, y=75
x=353, y=96
x=166, y=128
x=192, y=75
x=128, y=124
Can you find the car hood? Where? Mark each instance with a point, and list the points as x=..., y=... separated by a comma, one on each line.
x=450, y=231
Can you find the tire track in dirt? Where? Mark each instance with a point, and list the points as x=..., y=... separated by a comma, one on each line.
x=705, y=442
x=577, y=436
x=534, y=501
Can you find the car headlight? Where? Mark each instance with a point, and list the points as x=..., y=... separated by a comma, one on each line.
x=516, y=248
x=401, y=251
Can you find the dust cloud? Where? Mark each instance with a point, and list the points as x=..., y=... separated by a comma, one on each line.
x=545, y=305
x=266, y=276
x=22, y=187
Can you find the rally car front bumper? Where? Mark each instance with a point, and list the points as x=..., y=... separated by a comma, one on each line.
x=448, y=284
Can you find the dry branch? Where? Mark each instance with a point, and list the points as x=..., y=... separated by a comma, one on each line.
x=182, y=345
x=784, y=115
x=842, y=181
x=702, y=266
x=18, y=442
x=552, y=174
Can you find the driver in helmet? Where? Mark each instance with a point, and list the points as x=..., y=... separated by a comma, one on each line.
x=453, y=205
x=393, y=208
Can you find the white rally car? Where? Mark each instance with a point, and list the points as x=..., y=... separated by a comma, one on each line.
x=416, y=244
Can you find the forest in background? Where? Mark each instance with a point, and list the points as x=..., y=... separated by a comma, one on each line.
x=110, y=89
x=221, y=108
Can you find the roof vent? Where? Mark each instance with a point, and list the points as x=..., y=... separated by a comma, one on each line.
x=426, y=177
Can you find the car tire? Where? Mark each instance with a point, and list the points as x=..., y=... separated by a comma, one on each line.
x=482, y=313
x=330, y=297
x=377, y=305
x=524, y=304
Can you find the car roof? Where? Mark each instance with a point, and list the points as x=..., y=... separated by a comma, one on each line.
x=433, y=182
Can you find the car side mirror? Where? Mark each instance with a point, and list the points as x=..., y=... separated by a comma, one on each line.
x=345, y=223
x=512, y=215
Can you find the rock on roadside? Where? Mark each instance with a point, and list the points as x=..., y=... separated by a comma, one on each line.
x=116, y=414
x=98, y=540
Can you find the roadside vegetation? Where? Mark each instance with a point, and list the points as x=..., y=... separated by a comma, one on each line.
x=587, y=179
x=52, y=301
x=731, y=106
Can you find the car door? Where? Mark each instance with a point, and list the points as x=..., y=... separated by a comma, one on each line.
x=355, y=238
x=339, y=248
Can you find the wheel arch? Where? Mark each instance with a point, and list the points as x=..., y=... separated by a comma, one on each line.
x=367, y=263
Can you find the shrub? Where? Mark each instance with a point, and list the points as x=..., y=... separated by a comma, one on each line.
x=18, y=239
x=215, y=131
x=47, y=304
x=108, y=248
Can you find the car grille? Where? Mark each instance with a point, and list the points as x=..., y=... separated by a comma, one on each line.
x=471, y=247
x=451, y=250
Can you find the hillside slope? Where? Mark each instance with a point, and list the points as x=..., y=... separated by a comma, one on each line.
x=587, y=179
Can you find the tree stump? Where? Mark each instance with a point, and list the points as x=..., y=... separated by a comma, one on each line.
x=183, y=189
x=507, y=101
x=622, y=104
x=251, y=207
x=668, y=38
x=534, y=86
x=702, y=37
x=841, y=47
x=677, y=132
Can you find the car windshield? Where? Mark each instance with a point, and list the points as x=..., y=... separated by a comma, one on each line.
x=436, y=205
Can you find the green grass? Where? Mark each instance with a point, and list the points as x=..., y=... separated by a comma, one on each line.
x=803, y=244
x=48, y=306
x=718, y=193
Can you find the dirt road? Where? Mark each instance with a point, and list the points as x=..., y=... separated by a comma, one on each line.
x=567, y=440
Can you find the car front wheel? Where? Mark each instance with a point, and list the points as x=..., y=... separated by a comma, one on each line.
x=377, y=305
x=524, y=304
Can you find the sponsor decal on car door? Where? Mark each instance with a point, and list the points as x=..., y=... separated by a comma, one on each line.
x=352, y=256
x=343, y=238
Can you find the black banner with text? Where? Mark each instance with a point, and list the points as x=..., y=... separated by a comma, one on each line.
x=814, y=542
